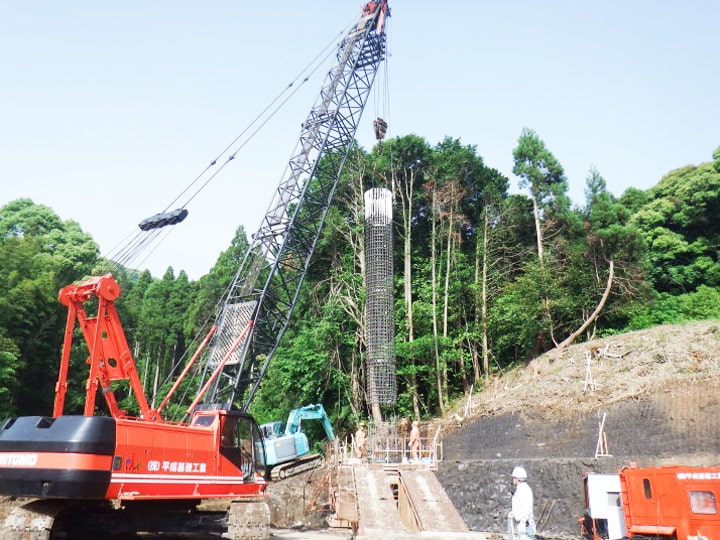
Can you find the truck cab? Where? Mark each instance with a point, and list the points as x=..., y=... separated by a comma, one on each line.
x=658, y=503
x=671, y=502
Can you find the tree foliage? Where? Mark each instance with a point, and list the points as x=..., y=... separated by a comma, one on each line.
x=483, y=280
x=681, y=230
x=39, y=254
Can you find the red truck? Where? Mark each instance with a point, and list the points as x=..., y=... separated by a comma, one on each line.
x=642, y=503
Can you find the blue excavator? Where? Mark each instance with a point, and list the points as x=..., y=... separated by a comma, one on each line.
x=287, y=449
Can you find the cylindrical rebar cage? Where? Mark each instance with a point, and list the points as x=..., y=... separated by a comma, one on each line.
x=379, y=304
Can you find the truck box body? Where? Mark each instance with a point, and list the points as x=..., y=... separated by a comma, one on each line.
x=671, y=501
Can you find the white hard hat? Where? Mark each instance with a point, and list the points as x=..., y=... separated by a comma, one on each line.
x=519, y=473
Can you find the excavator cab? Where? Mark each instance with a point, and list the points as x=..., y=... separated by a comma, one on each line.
x=272, y=430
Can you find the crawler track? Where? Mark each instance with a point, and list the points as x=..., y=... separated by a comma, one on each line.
x=90, y=520
x=305, y=463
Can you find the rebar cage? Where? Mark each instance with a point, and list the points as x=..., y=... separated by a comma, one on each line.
x=380, y=319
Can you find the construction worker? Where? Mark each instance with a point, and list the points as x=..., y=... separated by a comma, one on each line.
x=360, y=437
x=415, y=441
x=521, y=518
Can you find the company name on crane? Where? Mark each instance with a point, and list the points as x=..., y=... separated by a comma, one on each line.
x=18, y=460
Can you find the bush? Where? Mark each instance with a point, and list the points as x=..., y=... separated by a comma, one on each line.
x=702, y=304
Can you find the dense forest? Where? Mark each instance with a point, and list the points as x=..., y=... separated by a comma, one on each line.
x=484, y=280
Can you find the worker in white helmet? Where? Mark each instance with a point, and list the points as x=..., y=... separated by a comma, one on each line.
x=521, y=518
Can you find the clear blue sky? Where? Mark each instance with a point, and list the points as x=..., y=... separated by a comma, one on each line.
x=108, y=110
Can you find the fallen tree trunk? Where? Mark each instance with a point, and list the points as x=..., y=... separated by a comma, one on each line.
x=598, y=309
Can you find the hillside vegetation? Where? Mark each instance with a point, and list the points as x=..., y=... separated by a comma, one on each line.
x=484, y=280
x=658, y=391
x=647, y=383
x=662, y=360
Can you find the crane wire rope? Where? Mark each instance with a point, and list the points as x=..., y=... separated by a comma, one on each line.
x=129, y=249
x=138, y=243
x=381, y=92
x=317, y=62
x=381, y=101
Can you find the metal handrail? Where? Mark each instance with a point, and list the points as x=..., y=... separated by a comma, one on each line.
x=396, y=450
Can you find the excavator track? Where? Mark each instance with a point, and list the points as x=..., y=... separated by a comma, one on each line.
x=302, y=464
x=89, y=520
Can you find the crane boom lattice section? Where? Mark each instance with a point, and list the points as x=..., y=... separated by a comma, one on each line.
x=276, y=263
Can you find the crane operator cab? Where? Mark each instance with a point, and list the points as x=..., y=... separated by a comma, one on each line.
x=240, y=440
x=241, y=443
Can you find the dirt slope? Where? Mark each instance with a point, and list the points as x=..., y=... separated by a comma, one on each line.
x=592, y=375
x=657, y=390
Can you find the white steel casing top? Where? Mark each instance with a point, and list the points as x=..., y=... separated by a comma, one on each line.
x=378, y=206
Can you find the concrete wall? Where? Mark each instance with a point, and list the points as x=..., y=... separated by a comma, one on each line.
x=480, y=490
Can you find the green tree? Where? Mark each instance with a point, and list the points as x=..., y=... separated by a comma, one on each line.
x=488, y=259
x=212, y=286
x=161, y=332
x=680, y=227
x=39, y=254
x=458, y=186
x=588, y=272
x=9, y=364
x=541, y=173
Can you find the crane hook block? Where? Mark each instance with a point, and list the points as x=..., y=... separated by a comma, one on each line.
x=161, y=220
x=380, y=127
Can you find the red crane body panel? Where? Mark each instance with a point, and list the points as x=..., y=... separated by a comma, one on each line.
x=165, y=461
x=132, y=459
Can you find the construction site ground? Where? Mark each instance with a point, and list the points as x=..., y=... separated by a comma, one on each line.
x=658, y=391
x=656, y=394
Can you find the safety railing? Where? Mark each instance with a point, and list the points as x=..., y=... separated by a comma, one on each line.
x=393, y=449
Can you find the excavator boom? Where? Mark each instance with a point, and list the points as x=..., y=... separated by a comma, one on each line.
x=309, y=412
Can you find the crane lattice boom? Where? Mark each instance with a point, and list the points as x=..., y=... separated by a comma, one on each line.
x=267, y=284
